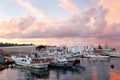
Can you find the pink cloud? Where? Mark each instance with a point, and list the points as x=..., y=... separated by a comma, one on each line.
x=91, y=23
x=90, y=26
x=94, y=25
x=15, y=25
x=69, y=6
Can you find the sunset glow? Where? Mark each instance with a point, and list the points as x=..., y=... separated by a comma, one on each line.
x=60, y=22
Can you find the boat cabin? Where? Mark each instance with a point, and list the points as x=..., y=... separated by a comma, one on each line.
x=39, y=60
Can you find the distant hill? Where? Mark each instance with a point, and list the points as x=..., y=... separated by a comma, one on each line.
x=13, y=44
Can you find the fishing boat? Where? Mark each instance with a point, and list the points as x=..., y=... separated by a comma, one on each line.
x=31, y=62
x=60, y=61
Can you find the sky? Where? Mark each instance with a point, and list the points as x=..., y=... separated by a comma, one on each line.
x=60, y=22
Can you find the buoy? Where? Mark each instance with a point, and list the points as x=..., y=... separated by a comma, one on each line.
x=112, y=66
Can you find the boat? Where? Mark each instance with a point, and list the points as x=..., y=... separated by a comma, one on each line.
x=115, y=55
x=72, y=57
x=60, y=61
x=31, y=62
x=93, y=56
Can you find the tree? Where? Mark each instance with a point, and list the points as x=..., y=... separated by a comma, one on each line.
x=40, y=47
x=113, y=49
x=100, y=47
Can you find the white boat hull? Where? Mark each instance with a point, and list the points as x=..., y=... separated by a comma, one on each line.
x=94, y=56
x=115, y=55
x=28, y=64
x=32, y=65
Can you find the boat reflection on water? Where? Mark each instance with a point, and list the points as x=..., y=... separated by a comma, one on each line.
x=25, y=73
x=77, y=69
x=66, y=73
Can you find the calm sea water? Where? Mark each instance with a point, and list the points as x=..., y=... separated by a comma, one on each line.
x=91, y=69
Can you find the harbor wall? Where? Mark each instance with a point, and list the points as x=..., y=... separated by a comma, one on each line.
x=18, y=50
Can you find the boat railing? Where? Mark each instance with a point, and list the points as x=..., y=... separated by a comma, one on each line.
x=36, y=60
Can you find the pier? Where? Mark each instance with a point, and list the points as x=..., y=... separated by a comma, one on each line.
x=7, y=62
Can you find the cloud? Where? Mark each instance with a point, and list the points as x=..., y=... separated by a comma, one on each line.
x=90, y=26
x=114, y=10
x=37, y=12
x=69, y=6
x=97, y=24
x=15, y=25
x=90, y=23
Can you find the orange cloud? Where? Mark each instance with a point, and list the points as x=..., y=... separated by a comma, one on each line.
x=69, y=6
x=114, y=10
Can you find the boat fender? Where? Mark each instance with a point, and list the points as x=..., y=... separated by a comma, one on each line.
x=112, y=66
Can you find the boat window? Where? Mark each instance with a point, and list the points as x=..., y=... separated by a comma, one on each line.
x=24, y=60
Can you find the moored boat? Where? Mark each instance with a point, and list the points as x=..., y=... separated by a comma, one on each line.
x=73, y=58
x=115, y=55
x=61, y=61
x=93, y=56
x=31, y=62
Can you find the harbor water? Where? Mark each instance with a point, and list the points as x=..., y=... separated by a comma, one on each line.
x=88, y=69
